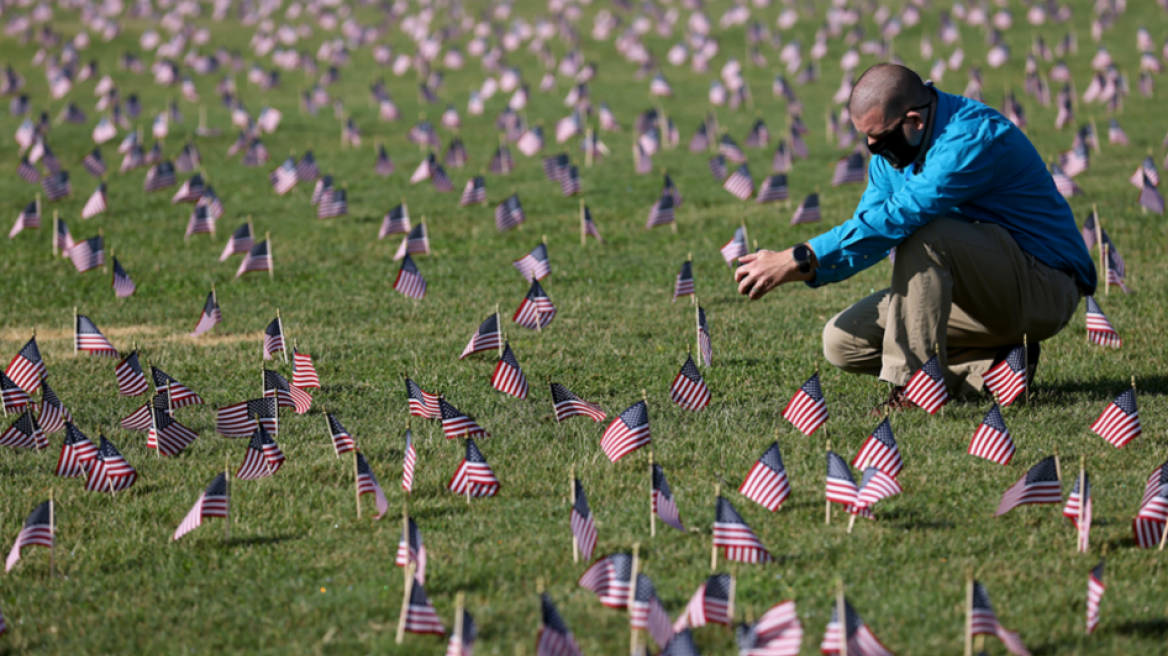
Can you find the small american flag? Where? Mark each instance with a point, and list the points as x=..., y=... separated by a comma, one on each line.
x=213, y=502
x=94, y=164
x=1099, y=329
x=774, y=188
x=992, y=439
x=131, y=381
x=642, y=160
x=474, y=477
x=729, y=149
x=860, y=639
x=1147, y=168
x=582, y=524
x=661, y=213
x=286, y=394
x=411, y=549
x=28, y=172
x=463, y=644
x=1120, y=421
x=76, y=453
x=880, y=451
x=209, y=317
x=273, y=338
x=259, y=258
x=422, y=403
x=160, y=176
x=439, y=179
x=501, y=162
x=240, y=419
x=284, y=178
x=983, y=621
x=104, y=131
x=1095, y=589
x=685, y=281
x=508, y=378
x=62, y=240
x=409, y=281
x=841, y=487
x=1115, y=134
x=874, y=486
x=36, y=532
x=705, y=351
x=1063, y=182
x=717, y=166
x=263, y=458
x=738, y=541
x=1076, y=504
x=14, y=398
x=88, y=254
x=709, y=604
x=367, y=484
x=420, y=616
x=554, y=637
x=627, y=433
x=611, y=579
x=660, y=87
x=509, y=213
x=109, y=472
x=781, y=161
x=24, y=433
x=536, y=311
x=241, y=241
x=304, y=373
x=141, y=419
x=384, y=165
x=1006, y=379
x=180, y=395
x=568, y=405
x=807, y=409
x=740, y=183
x=333, y=204
x=57, y=186
x=767, y=483
x=556, y=166
x=409, y=464
x=455, y=156
x=27, y=367
x=927, y=388
x=531, y=142
x=88, y=338
x=852, y=169
x=759, y=136
x=736, y=247
x=342, y=440
x=1040, y=485
x=688, y=389
x=211, y=201
x=123, y=286
x=700, y=140
x=29, y=218
x=590, y=228
x=188, y=158
x=534, y=265
x=570, y=184
x=306, y=168
x=777, y=633
x=474, y=192
x=1150, y=198
x=664, y=505
x=608, y=120
x=648, y=613
x=396, y=222
x=486, y=338
x=808, y=211
x=54, y=414
x=455, y=423
x=681, y=644
x=1149, y=524
x=190, y=191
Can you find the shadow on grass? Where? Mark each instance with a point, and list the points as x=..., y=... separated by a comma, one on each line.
x=911, y=520
x=262, y=540
x=1157, y=628
x=1072, y=390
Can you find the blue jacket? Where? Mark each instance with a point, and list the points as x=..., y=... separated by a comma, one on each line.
x=978, y=167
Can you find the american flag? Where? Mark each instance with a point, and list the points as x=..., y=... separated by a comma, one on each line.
x=1147, y=168
x=992, y=439
x=286, y=394
x=1095, y=589
x=729, y=149
x=590, y=225
x=474, y=477
x=508, y=378
x=14, y=398
x=852, y=169
x=56, y=186
x=87, y=337
x=1006, y=379
x=608, y=120
x=531, y=142
x=688, y=389
x=273, y=338
x=396, y=222
x=736, y=247
x=304, y=373
x=409, y=464
x=263, y=458
x=642, y=161
x=781, y=161
x=306, y=168
x=88, y=254
x=76, y=453
x=486, y=338
x=740, y=183
x=131, y=381
x=167, y=435
x=367, y=484
x=582, y=524
x=983, y=621
x=24, y=433
x=875, y=486
x=1075, y=504
x=28, y=172
x=104, y=131
x=213, y=502
x=160, y=176
x=671, y=189
x=209, y=317
x=536, y=311
x=570, y=184
x=36, y=532
x=1063, y=182
x=685, y=281
x=27, y=367
x=256, y=154
x=259, y=258
x=455, y=156
x=284, y=178
x=54, y=414
x=109, y=472
x=927, y=388
x=439, y=179
x=556, y=166
x=709, y=604
x=807, y=409
x=501, y=162
x=423, y=134
x=663, y=504
x=661, y=213
x=611, y=579
x=1099, y=329
x=239, y=419
x=554, y=637
x=627, y=433
x=188, y=158
x=717, y=166
x=62, y=240
x=29, y=218
x=777, y=633
x=323, y=186
x=841, y=487
x=420, y=616
x=411, y=549
x=509, y=213
x=648, y=613
x=333, y=204
x=141, y=419
x=211, y=201
x=880, y=451
x=422, y=404
x=759, y=136
x=1149, y=524
x=681, y=644
x=455, y=423
x=463, y=644
x=474, y=192
x=241, y=241
x=1075, y=161
x=808, y=210
x=569, y=405
x=860, y=639
x=190, y=191
x=705, y=351
x=736, y=538
x=659, y=86
x=1115, y=134
x=1040, y=485
x=1120, y=421
x=123, y=286
x=384, y=165
x=342, y=440
x=534, y=265
x=767, y=483
x=774, y=188
x=181, y=396
x=700, y=140
x=1150, y=198
x=409, y=281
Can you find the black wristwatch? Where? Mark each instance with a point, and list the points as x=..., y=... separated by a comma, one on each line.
x=801, y=253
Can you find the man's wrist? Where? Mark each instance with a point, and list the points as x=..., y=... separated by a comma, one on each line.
x=804, y=258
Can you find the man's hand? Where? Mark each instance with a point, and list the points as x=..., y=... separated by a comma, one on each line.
x=760, y=272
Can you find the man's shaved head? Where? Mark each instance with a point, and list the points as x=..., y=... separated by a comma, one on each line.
x=890, y=88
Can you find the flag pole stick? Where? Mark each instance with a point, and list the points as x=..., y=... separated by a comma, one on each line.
x=968, y=615
x=227, y=518
x=74, y=346
x=851, y=523
x=357, y=482
x=827, y=503
x=652, y=497
x=1082, y=503
x=1163, y=537
x=572, y=500
x=698, y=327
x=280, y=323
x=1098, y=232
x=499, y=327
x=713, y=542
x=329, y=427
x=466, y=435
x=459, y=611
x=271, y=256
x=405, y=608
x=56, y=230
x=52, y=534
x=154, y=425
x=633, y=596
x=406, y=530
x=1058, y=470
x=1106, y=270
x=841, y=606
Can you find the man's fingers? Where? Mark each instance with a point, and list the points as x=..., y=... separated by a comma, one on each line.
x=740, y=273
x=746, y=282
x=748, y=258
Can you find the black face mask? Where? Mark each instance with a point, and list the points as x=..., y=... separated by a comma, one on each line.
x=894, y=146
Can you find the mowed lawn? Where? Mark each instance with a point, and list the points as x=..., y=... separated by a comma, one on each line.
x=301, y=575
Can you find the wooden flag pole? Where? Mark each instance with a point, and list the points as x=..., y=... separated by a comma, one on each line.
x=698, y=327
x=572, y=501
x=499, y=327
x=1098, y=232
x=633, y=595
x=827, y=503
x=851, y=523
x=56, y=230
x=405, y=534
x=250, y=229
x=1082, y=502
x=841, y=607
x=1163, y=538
x=74, y=348
x=459, y=612
x=280, y=323
x=733, y=592
x=465, y=436
x=227, y=518
x=357, y=482
x=652, y=497
x=405, y=607
x=969, y=615
x=1106, y=269
x=271, y=256
x=713, y=542
x=329, y=427
x=52, y=534
x=1058, y=470
x=215, y=298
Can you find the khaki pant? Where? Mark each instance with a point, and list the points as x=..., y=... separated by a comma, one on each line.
x=961, y=289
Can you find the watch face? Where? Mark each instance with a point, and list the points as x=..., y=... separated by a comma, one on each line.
x=801, y=253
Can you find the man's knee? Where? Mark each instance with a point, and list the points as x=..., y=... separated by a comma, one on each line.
x=838, y=344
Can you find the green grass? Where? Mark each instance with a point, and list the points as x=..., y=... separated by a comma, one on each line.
x=302, y=575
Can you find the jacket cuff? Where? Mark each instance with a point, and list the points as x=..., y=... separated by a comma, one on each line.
x=828, y=253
